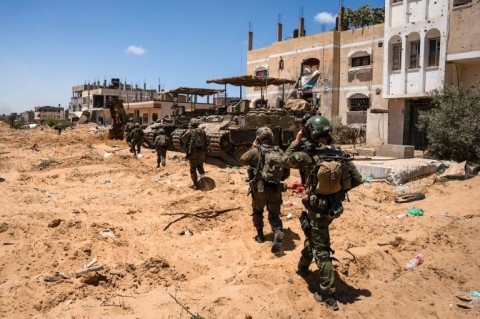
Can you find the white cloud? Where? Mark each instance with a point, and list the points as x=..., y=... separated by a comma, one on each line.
x=325, y=17
x=135, y=50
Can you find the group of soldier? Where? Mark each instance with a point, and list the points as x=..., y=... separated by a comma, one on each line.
x=329, y=174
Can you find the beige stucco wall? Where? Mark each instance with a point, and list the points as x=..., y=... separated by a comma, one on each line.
x=395, y=121
x=464, y=33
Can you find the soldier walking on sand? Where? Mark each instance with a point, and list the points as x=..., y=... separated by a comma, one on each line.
x=266, y=175
x=330, y=174
x=161, y=145
x=137, y=140
x=195, y=143
x=128, y=129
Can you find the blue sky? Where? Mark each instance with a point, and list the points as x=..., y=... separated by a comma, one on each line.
x=48, y=46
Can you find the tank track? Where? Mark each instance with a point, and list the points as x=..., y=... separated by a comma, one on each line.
x=214, y=145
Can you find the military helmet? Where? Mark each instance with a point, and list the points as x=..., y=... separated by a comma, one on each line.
x=318, y=126
x=130, y=119
x=137, y=125
x=161, y=131
x=264, y=133
x=194, y=123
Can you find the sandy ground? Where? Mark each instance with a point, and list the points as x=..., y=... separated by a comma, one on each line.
x=51, y=216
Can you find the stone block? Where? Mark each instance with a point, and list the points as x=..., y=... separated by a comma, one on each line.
x=396, y=151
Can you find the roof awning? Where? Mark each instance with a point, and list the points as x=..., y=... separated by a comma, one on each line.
x=251, y=80
x=195, y=91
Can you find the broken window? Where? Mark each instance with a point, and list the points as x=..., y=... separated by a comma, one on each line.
x=310, y=65
x=361, y=61
x=358, y=102
x=457, y=3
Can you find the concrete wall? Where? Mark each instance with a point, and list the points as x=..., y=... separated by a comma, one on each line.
x=395, y=121
x=464, y=28
x=377, y=128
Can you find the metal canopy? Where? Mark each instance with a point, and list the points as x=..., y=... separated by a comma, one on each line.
x=251, y=80
x=194, y=91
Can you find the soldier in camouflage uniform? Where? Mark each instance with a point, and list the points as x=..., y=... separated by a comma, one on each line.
x=128, y=129
x=195, y=142
x=161, y=145
x=300, y=155
x=265, y=193
x=137, y=139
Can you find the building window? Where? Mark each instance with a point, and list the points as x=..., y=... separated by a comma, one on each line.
x=397, y=1
x=415, y=54
x=261, y=73
x=457, y=3
x=434, y=52
x=359, y=102
x=154, y=117
x=396, y=57
x=361, y=61
x=310, y=65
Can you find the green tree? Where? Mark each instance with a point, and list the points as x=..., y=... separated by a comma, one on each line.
x=453, y=124
x=50, y=121
x=364, y=16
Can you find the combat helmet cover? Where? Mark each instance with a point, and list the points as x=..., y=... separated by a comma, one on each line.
x=264, y=133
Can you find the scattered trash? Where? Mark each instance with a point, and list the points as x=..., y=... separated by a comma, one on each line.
x=88, y=267
x=414, y=211
x=235, y=167
x=419, y=258
x=186, y=233
x=139, y=155
x=290, y=203
x=366, y=179
x=32, y=125
x=107, y=181
x=406, y=198
x=470, y=298
x=57, y=276
x=116, y=148
x=107, y=233
x=55, y=223
x=7, y=244
x=107, y=154
x=289, y=216
x=403, y=216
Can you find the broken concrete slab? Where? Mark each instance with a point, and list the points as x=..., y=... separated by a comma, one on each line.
x=397, y=171
x=395, y=151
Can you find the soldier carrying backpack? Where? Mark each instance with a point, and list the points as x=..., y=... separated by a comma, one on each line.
x=161, y=142
x=330, y=175
x=266, y=185
x=195, y=140
x=136, y=139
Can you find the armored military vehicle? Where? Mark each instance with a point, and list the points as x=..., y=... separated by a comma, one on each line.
x=232, y=134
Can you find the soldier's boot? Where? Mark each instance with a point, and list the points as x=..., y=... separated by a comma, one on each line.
x=260, y=238
x=195, y=181
x=329, y=300
x=302, y=270
x=277, y=248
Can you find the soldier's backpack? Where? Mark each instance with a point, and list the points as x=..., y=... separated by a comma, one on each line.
x=161, y=140
x=270, y=164
x=330, y=173
x=198, y=139
x=135, y=133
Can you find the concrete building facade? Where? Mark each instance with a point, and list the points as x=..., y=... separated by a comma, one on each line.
x=28, y=116
x=415, y=51
x=463, y=52
x=44, y=112
x=346, y=68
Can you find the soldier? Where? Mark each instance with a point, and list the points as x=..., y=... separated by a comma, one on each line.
x=136, y=140
x=266, y=175
x=161, y=145
x=128, y=129
x=195, y=143
x=330, y=174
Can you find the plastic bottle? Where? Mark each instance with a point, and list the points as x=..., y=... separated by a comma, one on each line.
x=403, y=216
x=414, y=262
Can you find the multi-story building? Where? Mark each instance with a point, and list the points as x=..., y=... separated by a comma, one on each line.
x=463, y=52
x=28, y=116
x=44, y=112
x=416, y=35
x=94, y=97
x=340, y=71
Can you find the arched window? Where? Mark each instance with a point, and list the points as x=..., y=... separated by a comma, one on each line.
x=261, y=71
x=310, y=65
x=413, y=51
x=358, y=102
x=432, y=45
x=395, y=49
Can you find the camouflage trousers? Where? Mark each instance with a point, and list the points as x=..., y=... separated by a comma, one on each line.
x=317, y=246
x=161, y=155
x=196, y=160
x=136, y=146
x=271, y=197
